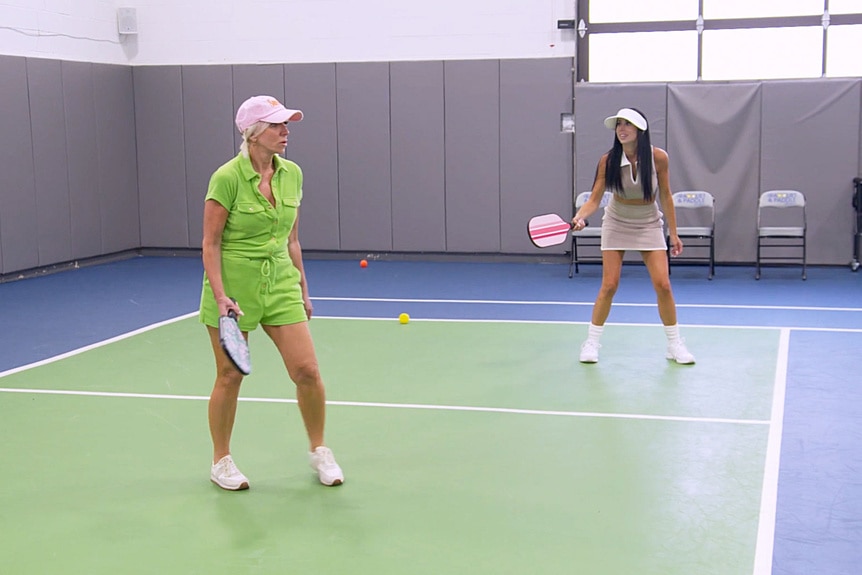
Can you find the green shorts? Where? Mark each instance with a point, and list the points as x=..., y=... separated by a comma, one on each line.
x=267, y=291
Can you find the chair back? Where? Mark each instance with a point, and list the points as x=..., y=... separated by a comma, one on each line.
x=693, y=199
x=700, y=208
x=773, y=209
x=582, y=198
x=782, y=199
x=606, y=198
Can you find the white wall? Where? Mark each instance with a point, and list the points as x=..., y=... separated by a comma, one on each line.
x=288, y=31
x=78, y=30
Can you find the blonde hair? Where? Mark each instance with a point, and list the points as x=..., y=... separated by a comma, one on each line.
x=252, y=131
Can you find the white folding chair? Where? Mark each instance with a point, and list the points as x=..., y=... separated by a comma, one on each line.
x=590, y=236
x=695, y=216
x=781, y=228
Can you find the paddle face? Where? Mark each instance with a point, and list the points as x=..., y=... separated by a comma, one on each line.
x=548, y=230
x=233, y=344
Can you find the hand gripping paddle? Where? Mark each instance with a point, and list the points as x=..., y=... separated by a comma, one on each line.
x=233, y=343
x=548, y=230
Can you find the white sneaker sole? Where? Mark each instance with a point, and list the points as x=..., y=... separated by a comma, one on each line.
x=242, y=486
x=672, y=358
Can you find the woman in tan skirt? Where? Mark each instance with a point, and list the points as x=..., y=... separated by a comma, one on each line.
x=637, y=175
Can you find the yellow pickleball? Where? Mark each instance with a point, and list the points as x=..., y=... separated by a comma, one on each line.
x=403, y=318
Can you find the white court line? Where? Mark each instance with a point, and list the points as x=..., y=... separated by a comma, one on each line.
x=637, y=416
x=588, y=304
x=769, y=495
x=571, y=322
x=120, y=337
x=551, y=322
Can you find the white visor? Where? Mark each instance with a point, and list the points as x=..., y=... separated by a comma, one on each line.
x=633, y=117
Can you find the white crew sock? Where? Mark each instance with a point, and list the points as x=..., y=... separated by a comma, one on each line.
x=672, y=332
x=594, y=332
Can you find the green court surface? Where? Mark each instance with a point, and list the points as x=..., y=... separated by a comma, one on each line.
x=468, y=447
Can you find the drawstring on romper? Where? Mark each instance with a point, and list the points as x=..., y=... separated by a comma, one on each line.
x=267, y=269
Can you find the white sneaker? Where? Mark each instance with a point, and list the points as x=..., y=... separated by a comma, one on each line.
x=323, y=462
x=590, y=351
x=225, y=474
x=677, y=351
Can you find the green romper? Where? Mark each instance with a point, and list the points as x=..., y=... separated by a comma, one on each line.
x=256, y=268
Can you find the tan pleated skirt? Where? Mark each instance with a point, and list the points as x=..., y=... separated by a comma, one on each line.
x=633, y=227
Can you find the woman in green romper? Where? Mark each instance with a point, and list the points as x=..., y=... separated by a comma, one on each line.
x=251, y=254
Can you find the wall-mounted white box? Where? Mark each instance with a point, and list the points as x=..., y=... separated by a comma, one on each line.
x=127, y=21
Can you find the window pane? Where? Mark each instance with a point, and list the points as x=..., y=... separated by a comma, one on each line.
x=672, y=57
x=845, y=7
x=843, y=46
x=762, y=53
x=718, y=9
x=640, y=11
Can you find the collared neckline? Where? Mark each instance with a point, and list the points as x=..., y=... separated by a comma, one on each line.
x=248, y=171
x=625, y=162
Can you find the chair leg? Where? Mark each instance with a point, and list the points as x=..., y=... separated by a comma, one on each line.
x=573, y=259
x=804, y=275
x=757, y=273
x=711, y=258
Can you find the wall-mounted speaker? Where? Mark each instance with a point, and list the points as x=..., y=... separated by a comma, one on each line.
x=127, y=20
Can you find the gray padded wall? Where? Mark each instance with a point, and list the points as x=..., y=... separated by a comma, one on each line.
x=809, y=144
x=409, y=156
x=535, y=157
x=72, y=193
x=472, y=129
x=82, y=150
x=714, y=145
x=161, y=157
x=116, y=177
x=418, y=163
x=365, y=193
x=208, y=114
x=53, y=217
x=313, y=144
x=18, y=232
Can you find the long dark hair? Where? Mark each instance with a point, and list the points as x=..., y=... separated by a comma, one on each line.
x=613, y=172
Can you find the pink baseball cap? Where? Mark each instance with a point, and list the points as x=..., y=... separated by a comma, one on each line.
x=264, y=109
